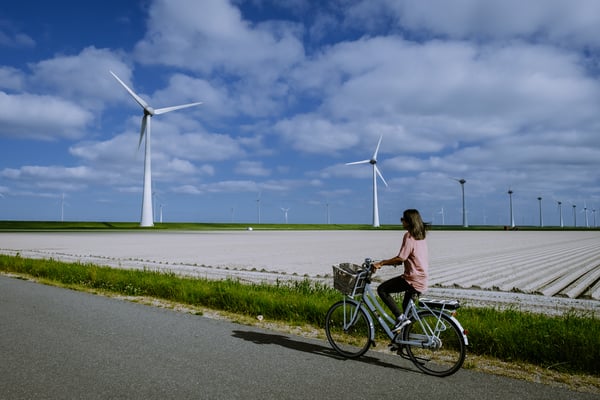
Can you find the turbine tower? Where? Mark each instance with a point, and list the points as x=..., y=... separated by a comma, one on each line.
x=512, y=218
x=147, y=218
x=541, y=217
x=587, y=224
x=464, y=210
x=373, y=162
x=285, y=213
x=562, y=223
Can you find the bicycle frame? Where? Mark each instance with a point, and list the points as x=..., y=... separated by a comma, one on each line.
x=434, y=341
x=386, y=321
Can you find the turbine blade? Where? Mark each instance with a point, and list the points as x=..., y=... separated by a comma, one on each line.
x=168, y=109
x=377, y=149
x=137, y=98
x=142, y=130
x=359, y=162
x=379, y=173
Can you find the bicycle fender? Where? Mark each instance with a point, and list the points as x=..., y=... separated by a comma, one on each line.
x=462, y=330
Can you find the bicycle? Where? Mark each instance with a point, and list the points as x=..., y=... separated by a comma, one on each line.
x=434, y=341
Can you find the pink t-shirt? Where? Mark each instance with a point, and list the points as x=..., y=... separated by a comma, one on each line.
x=416, y=261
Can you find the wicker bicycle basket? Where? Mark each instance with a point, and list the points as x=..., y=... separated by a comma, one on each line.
x=349, y=279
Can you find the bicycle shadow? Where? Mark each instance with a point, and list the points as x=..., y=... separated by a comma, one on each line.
x=313, y=348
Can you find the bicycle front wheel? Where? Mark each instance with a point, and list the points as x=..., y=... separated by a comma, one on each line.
x=442, y=350
x=347, y=329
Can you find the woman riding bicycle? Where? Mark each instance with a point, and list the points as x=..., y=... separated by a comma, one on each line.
x=413, y=253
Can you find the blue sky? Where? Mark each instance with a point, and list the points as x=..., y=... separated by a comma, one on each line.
x=505, y=94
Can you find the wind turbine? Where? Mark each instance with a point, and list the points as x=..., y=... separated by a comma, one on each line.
x=258, y=206
x=285, y=212
x=464, y=210
x=562, y=223
x=574, y=215
x=594, y=216
x=541, y=218
x=62, y=208
x=147, y=214
x=160, y=213
x=587, y=224
x=373, y=162
x=443, y=216
x=512, y=218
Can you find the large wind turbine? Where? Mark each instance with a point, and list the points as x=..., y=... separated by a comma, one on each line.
x=462, y=182
x=512, y=218
x=149, y=112
x=373, y=162
x=562, y=224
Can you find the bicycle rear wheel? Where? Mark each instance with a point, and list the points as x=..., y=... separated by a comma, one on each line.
x=347, y=328
x=442, y=350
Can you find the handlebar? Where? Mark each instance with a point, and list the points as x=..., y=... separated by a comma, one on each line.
x=368, y=266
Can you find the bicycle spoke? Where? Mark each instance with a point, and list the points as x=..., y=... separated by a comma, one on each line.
x=347, y=329
x=442, y=349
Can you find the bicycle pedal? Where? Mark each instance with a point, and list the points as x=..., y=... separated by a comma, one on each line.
x=394, y=347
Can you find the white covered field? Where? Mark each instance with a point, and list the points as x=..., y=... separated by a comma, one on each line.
x=558, y=265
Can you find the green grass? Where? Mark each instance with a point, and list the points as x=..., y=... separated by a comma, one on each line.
x=570, y=343
x=11, y=226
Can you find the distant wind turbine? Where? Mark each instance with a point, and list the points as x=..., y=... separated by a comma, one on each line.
x=541, y=217
x=587, y=224
x=443, y=216
x=562, y=223
x=160, y=214
x=147, y=214
x=62, y=208
x=464, y=210
x=512, y=218
x=373, y=162
x=574, y=215
x=258, y=206
x=285, y=212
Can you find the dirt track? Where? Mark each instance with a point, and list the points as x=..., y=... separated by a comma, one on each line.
x=560, y=269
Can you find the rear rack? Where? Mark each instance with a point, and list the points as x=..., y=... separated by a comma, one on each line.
x=445, y=304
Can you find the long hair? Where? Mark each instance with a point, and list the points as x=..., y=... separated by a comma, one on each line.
x=414, y=224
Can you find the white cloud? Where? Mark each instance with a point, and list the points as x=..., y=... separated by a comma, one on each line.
x=312, y=133
x=10, y=38
x=50, y=178
x=84, y=76
x=214, y=40
x=213, y=35
x=11, y=78
x=252, y=168
x=28, y=116
x=565, y=22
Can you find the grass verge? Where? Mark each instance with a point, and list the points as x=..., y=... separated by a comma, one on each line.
x=569, y=343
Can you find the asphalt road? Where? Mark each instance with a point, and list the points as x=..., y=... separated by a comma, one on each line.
x=61, y=344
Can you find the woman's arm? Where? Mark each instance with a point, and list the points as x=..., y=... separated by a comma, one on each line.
x=391, y=261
